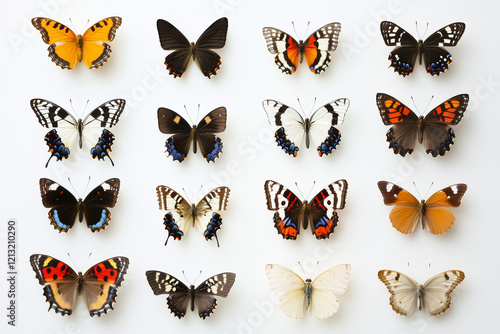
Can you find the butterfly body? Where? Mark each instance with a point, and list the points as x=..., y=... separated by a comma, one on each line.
x=433, y=214
x=433, y=296
x=290, y=212
x=66, y=48
x=429, y=51
x=315, y=49
x=181, y=296
x=62, y=285
x=65, y=208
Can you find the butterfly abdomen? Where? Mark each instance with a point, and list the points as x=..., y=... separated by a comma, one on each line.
x=79, y=44
x=308, y=293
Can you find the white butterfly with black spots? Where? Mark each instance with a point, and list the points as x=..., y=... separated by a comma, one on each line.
x=407, y=295
x=181, y=296
x=67, y=129
x=318, y=129
x=205, y=215
x=318, y=296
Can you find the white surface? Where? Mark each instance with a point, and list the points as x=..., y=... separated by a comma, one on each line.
x=364, y=237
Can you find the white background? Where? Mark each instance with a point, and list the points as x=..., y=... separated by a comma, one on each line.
x=364, y=237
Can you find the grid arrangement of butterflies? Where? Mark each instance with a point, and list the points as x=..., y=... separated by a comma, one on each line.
x=61, y=284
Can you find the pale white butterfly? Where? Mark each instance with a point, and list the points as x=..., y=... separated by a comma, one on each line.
x=434, y=296
x=318, y=296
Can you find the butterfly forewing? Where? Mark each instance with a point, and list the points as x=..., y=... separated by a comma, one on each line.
x=394, y=35
x=214, y=37
x=179, y=293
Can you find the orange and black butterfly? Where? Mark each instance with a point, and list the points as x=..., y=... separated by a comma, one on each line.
x=66, y=48
x=433, y=130
x=434, y=213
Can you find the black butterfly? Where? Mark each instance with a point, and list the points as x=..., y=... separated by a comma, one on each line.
x=64, y=207
x=436, y=58
x=170, y=122
x=180, y=295
x=208, y=61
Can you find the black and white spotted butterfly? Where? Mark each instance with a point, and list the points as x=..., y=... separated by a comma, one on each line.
x=205, y=215
x=319, y=128
x=289, y=53
x=67, y=129
x=180, y=295
x=407, y=48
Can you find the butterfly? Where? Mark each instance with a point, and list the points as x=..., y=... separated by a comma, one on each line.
x=433, y=130
x=319, y=128
x=436, y=58
x=180, y=295
x=208, y=61
x=178, y=145
x=289, y=53
x=433, y=213
x=65, y=208
x=205, y=215
x=62, y=285
x=318, y=296
x=51, y=115
x=433, y=296
x=320, y=213
x=66, y=48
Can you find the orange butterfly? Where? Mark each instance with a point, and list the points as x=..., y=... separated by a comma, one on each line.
x=66, y=48
x=433, y=214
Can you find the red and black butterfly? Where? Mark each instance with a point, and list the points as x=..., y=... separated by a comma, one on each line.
x=178, y=145
x=407, y=49
x=180, y=295
x=320, y=213
x=289, y=53
x=433, y=130
x=208, y=61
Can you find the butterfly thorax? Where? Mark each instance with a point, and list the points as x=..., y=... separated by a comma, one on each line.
x=420, y=50
x=193, y=50
x=304, y=214
x=302, y=49
x=420, y=129
x=80, y=207
x=79, y=43
x=192, y=295
x=79, y=128
x=308, y=292
x=194, y=136
x=307, y=126
x=79, y=283
x=420, y=296
x=194, y=214
x=421, y=211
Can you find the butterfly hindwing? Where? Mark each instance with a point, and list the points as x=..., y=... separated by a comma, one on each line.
x=62, y=285
x=214, y=37
x=407, y=295
x=181, y=296
x=203, y=134
x=66, y=48
x=65, y=208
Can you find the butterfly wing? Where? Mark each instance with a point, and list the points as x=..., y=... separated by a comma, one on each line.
x=403, y=289
x=287, y=209
x=436, y=291
x=95, y=49
x=207, y=218
x=406, y=49
x=436, y=58
x=317, y=45
x=97, y=202
x=407, y=212
x=438, y=135
x=56, y=146
x=404, y=131
x=325, y=289
x=179, y=294
x=180, y=211
x=285, y=47
x=438, y=218
x=62, y=204
x=100, y=283
x=171, y=122
x=214, y=37
x=210, y=144
x=217, y=285
x=59, y=281
x=63, y=48
x=172, y=39
x=292, y=129
x=322, y=128
x=290, y=287
x=323, y=209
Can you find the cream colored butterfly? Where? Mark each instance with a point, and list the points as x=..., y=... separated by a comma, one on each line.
x=434, y=296
x=318, y=296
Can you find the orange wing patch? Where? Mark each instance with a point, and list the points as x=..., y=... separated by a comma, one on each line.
x=67, y=49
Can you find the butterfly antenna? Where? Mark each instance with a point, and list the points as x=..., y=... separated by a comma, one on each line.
x=307, y=29
x=72, y=186
x=189, y=116
x=430, y=100
x=293, y=25
x=84, y=263
x=86, y=187
x=300, y=105
x=415, y=106
x=185, y=194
